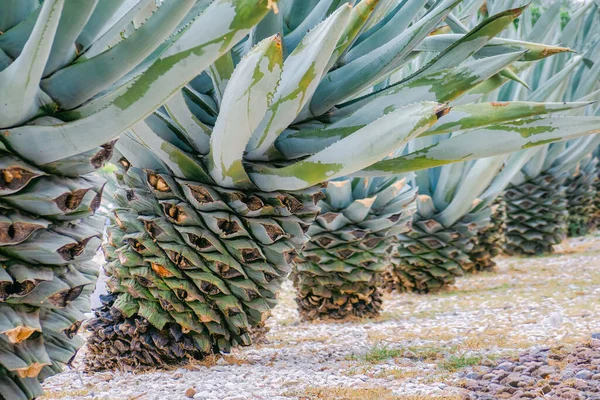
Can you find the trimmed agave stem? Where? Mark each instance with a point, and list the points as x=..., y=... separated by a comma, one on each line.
x=581, y=194
x=596, y=211
x=491, y=240
x=536, y=215
x=198, y=266
x=431, y=256
x=48, y=237
x=339, y=272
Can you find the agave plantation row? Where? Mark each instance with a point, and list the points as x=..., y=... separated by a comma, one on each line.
x=349, y=144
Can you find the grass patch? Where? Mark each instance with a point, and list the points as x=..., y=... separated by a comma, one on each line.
x=61, y=394
x=375, y=393
x=342, y=393
x=456, y=363
x=381, y=352
x=398, y=374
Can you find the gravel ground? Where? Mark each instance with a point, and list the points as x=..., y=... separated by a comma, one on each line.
x=421, y=347
x=542, y=373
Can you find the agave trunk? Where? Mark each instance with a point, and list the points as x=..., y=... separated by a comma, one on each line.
x=596, y=213
x=491, y=240
x=340, y=269
x=431, y=256
x=581, y=194
x=536, y=215
x=196, y=266
x=48, y=237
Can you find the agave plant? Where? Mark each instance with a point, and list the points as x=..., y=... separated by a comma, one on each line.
x=451, y=234
x=73, y=75
x=595, y=221
x=454, y=208
x=491, y=240
x=581, y=196
x=222, y=182
x=537, y=215
x=537, y=199
x=340, y=269
x=335, y=289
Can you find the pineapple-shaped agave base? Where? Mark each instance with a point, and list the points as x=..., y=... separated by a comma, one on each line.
x=536, y=215
x=340, y=269
x=492, y=239
x=48, y=237
x=193, y=267
x=431, y=256
x=581, y=196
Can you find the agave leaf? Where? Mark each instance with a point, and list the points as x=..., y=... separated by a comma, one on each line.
x=550, y=90
x=195, y=131
x=220, y=72
x=482, y=114
x=181, y=163
x=401, y=17
x=114, y=34
x=471, y=42
x=358, y=18
x=537, y=51
x=569, y=33
x=302, y=72
x=488, y=142
x=74, y=16
x=441, y=87
x=350, y=79
x=79, y=82
x=482, y=89
x=102, y=14
x=456, y=24
x=570, y=158
x=471, y=8
x=445, y=85
x=136, y=153
x=17, y=388
x=46, y=247
x=590, y=80
x=296, y=11
x=25, y=359
x=202, y=105
x=510, y=74
x=449, y=180
x=96, y=104
x=245, y=103
x=21, y=96
x=316, y=15
x=13, y=11
x=230, y=21
x=349, y=154
x=15, y=228
x=479, y=177
x=546, y=25
x=13, y=41
x=270, y=25
x=18, y=323
x=384, y=11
